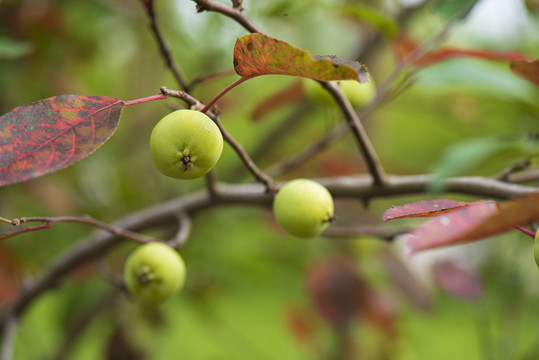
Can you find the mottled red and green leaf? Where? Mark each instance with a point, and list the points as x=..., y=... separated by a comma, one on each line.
x=51, y=134
x=258, y=54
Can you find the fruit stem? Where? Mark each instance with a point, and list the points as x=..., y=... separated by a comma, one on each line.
x=224, y=91
x=526, y=231
x=145, y=99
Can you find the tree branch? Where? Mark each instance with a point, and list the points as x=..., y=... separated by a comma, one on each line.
x=371, y=158
x=163, y=46
x=360, y=187
x=184, y=230
x=233, y=13
x=116, y=231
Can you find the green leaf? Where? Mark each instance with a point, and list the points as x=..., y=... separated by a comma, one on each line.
x=465, y=156
x=450, y=9
x=13, y=49
x=258, y=54
x=382, y=22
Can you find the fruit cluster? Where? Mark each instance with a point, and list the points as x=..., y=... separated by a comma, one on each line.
x=186, y=144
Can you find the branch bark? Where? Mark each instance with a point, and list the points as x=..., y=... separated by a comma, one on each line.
x=359, y=187
x=233, y=13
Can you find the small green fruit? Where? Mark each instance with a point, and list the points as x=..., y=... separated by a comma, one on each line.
x=154, y=272
x=303, y=208
x=359, y=94
x=185, y=144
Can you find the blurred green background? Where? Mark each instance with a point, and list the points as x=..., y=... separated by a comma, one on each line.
x=248, y=294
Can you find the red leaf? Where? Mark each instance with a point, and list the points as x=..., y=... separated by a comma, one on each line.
x=426, y=208
x=258, y=54
x=51, y=134
x=448, y=53
x=528, y=70
x=474, y=223
x=404, y=45
x=452, y=228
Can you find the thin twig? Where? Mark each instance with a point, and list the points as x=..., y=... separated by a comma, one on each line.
x=184, y=230
x=371, y=158
x=516, y=167
x=526, y=176
x=211, y=182
x=233, y=13
x=116, y=231
x=182, y=95
x=249, y=163
x=163, y=46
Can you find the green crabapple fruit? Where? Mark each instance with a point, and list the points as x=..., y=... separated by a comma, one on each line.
x=303, y=208
x=154, y=272
x=359, y=94
x=185, y=144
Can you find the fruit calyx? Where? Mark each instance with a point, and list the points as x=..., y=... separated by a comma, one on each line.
x=186, y=163
x=145, y=275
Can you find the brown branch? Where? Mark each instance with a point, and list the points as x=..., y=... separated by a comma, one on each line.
x=115, y=230
x=249, y=163
x=513, y=168
x=231, y=12
x=526, y=176
x=184, y=230
x=163, y=46
x=369, y=154
x=360, y=187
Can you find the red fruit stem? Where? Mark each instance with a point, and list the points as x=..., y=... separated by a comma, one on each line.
x=224, y=91
x=145, y=99
x=526, y=231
